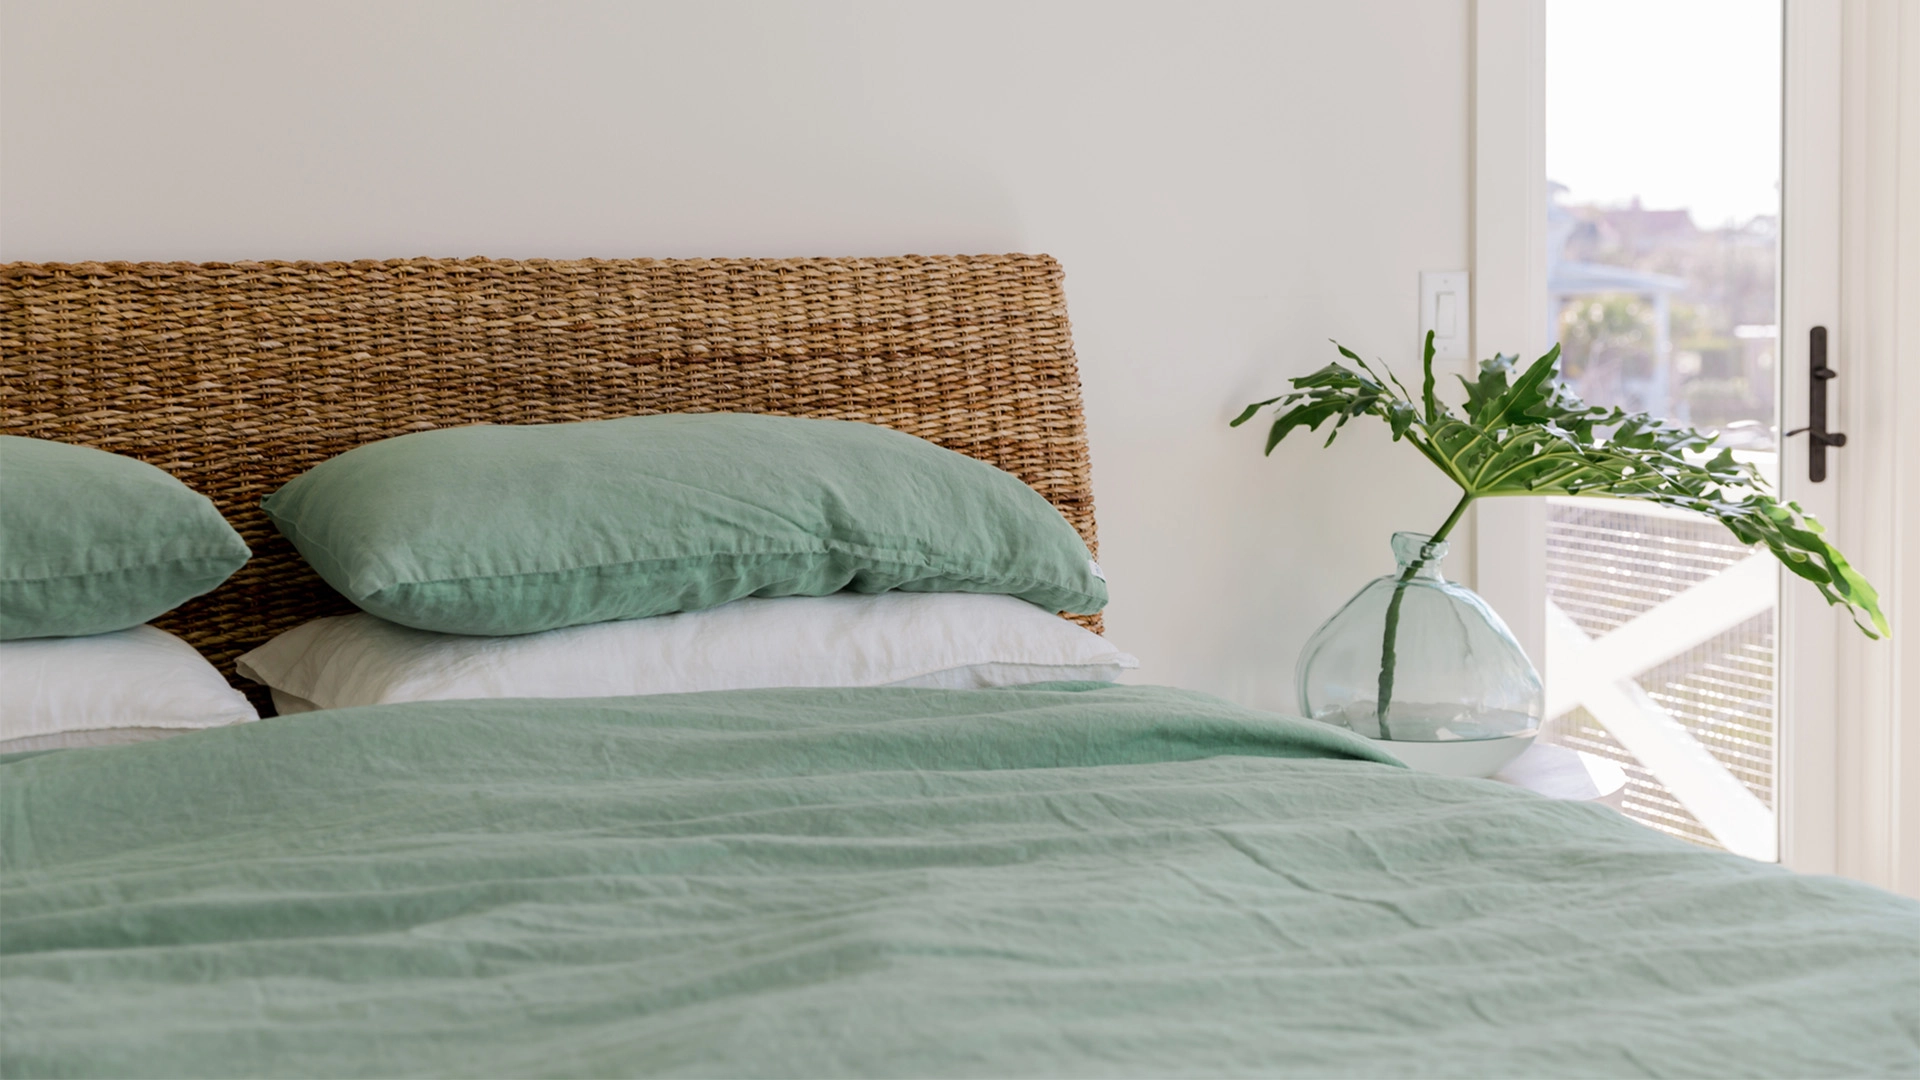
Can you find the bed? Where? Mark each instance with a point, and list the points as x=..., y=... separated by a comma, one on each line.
x=1058, y=879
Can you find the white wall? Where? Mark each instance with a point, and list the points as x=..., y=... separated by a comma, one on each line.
x=1227, y=184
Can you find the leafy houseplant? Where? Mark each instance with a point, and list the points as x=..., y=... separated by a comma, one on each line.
x=1525, y=433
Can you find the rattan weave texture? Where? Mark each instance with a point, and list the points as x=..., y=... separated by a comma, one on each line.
x=236, y=377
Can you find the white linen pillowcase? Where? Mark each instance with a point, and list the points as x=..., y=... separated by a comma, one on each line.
x=936, y=640
x=107, y=689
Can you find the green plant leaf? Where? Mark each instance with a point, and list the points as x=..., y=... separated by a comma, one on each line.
x=1491, y=385
x=1524, y=400
x=1310, y=416
x=1531, y=435
x=1426, y=390
x=1248, y=413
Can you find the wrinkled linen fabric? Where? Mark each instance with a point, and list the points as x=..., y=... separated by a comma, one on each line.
x=105, y=689
x=519, y=528
x=944, y=641
x=92, y=542
x=1054, y=881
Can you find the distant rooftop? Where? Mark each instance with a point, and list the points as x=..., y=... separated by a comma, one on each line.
x=1584, y=278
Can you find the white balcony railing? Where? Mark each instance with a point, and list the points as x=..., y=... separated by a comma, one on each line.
x=1654, y=616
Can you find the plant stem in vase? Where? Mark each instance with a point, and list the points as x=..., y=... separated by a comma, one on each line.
x=1387, y=661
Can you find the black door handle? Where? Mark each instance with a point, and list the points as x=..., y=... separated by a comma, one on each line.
x=1818, y=437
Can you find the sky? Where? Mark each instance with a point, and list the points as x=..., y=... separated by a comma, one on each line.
x=1676, y=101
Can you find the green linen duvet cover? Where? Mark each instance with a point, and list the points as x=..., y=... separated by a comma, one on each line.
x=1067, y=880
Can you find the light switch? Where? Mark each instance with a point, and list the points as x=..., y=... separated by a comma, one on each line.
x=1443, y=310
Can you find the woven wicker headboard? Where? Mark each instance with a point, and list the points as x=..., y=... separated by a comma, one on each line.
x=236, y=377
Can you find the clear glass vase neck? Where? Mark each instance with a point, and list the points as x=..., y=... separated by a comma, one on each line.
x=1416, y=553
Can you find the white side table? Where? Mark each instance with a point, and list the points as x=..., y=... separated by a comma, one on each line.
x=1559, y=772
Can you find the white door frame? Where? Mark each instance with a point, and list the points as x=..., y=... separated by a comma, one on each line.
x=1849, y=760
x=1806, y=631
x=1877, y=811
x=1509, y=286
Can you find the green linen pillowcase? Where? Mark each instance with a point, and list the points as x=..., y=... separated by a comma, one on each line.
x=516, y=529
x=92, y=542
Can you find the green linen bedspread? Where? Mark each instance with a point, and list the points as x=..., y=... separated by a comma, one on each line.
x=1067, y=880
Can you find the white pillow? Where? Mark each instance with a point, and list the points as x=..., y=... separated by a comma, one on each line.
x=105, y=689
x=939, y=640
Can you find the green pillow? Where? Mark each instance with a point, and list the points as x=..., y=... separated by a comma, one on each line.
x=92, y=542
x=515, y=529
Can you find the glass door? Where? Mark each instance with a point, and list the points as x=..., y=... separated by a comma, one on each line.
x=1664, y=269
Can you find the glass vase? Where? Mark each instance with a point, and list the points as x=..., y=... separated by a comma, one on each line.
x=1414, y=657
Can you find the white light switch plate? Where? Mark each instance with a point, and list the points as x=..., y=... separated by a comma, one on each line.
x=1445, y=309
